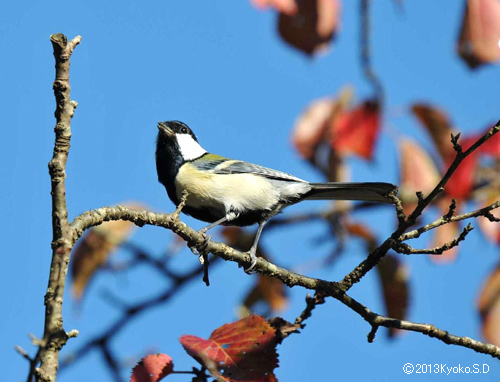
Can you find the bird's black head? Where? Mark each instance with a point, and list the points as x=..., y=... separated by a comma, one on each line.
x=175, y=145
x=168, y=129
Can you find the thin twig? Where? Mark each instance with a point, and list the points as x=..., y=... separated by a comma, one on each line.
x=23, y=353
x=484, y=211
x=408, y=250
x=311, y=303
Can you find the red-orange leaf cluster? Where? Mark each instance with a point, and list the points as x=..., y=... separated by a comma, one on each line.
x=356, y=131
x=313, y=125
x=331, y=121
x=312, y=27
x=152, y=368
x=461, y=182
x=438, y=125
x=418, y=171
x=478, y=43
x=244, y=350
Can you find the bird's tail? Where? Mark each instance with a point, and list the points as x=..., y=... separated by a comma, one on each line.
x=367, y=192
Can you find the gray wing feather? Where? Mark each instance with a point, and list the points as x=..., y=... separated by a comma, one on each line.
x=208, y=165
x=239, y=167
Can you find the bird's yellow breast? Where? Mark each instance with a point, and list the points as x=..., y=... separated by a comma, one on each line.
x=224, y=191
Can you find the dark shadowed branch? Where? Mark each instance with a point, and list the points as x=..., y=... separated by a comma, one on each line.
x=366, y=53
x=131, y=312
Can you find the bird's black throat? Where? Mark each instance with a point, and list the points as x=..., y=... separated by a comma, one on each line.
x=168, y=161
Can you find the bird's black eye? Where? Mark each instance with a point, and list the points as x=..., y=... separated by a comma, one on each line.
x=184, y=130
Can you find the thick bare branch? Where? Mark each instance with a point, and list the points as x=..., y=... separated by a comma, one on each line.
x=54, y=337
x=192, y=237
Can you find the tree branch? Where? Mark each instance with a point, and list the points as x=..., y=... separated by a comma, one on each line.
x=326, y=288
x=366, y=56
x=485, y=211
x=130, y=312
x=408, y=250
x=373, y=258
x=54, y=337
x=427, y=329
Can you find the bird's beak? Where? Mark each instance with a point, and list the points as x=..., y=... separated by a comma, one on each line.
x=165, y=130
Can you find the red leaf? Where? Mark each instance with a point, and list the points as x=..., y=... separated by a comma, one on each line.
x=394, y=278
x=461, y=182
x=152, y=368
x=489, y=307
x=480, y=33
x=491, y=146
x=356, y=131
x=241, y=351
x=418, y=172
x=311, y=127
x=288, y=7
x=437, y=124
x=312, y=27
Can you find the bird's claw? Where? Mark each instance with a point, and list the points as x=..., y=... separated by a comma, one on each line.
x=253, y=262
x=201, y=249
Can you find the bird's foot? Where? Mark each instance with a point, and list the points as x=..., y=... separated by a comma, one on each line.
x=201, y=249
x=253, y=261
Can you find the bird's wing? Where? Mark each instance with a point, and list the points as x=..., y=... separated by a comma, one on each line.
x=208, y=162
x=240, y=167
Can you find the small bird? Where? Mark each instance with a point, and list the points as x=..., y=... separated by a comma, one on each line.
x=224, y=191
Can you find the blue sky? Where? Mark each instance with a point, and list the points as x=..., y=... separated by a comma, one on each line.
x=220, y=67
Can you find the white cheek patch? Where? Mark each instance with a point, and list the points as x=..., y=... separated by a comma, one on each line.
x=190, y=149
